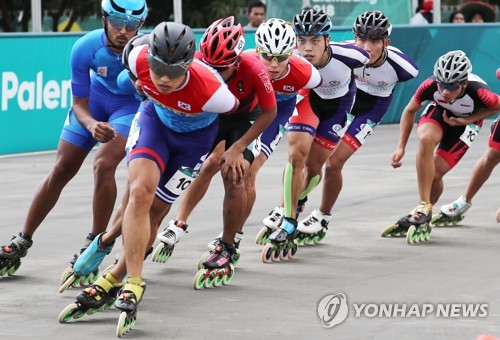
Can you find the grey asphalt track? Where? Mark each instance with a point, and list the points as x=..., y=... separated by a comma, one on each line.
x=277, y=300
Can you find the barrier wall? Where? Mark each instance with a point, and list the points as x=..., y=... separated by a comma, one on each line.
x=36, y=92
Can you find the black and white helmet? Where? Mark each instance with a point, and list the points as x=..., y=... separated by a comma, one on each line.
x=452, y=67
x=373, y=25
x=275, y=36
x=312, y=23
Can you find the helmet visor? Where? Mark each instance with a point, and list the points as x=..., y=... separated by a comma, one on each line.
x=160, y=68
x=449, y=87
x=131, y=24
x=274, y=57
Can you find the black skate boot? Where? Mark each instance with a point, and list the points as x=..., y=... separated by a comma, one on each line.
x=130, y=296
x=282, y=244
x=11, y=254
x=218, y=268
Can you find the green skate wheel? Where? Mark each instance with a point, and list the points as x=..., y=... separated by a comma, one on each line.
x=236, y=257
x=14, y=268
x=92, y=311
x=69, y=281
x=228, y=276
x=320, y=236
x=121, y=326
x=93, y=276
x=309, y=240
x=66, y=274
x=67, y=313
x=209, y=280
x=157, y=253
x=411, y=238
x=199, y=278
x=202, y=259
x=219, y=278
x=261, y=236
x=388, y=231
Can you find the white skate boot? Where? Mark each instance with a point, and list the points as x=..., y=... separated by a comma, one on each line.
x=451, y=214
x=312, y=229
x=271, y=223
x=169, y=238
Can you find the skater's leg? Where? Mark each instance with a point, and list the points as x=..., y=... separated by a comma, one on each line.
x=198, y=188
x=481, y=172
x=107, y=158
x=332, y=184
x=429, y=136
x=441, y=169
x=68, y=162
x=250, y=184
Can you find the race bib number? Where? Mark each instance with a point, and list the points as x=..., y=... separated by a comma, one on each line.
x=181, y=180
x=470, y=134
x=133, y=135
x=365, y=132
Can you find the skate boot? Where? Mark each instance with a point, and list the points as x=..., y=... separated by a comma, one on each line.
x=237, y=239
x=130, y=296
x=11, y=254
x=282, y=244
x=96, y=298
x=86, y=264
x=84, y=280
x=312, y=229
x=451, y=214
x=400, y=228
x=218, y=269
x=271, y=223
x=169, y=237
x=420, y=228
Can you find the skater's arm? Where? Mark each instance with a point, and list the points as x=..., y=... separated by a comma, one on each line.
x=405, y=127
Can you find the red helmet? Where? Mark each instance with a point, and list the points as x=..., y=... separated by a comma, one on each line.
x=222, y=42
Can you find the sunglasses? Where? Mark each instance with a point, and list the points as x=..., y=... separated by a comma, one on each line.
x=449, y=87
x=160, y=68
x=274, y=57
x=130, y=24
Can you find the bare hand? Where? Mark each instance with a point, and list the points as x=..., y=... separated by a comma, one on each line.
x=232, y=165
x=102, y=132
x=454, y=121
x=396, y=158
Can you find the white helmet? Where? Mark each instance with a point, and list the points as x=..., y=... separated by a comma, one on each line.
x=275, y=36
x=452, y=67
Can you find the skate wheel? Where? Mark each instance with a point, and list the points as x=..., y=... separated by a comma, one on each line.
x=69, y=281
x=93, y=276
x=66, y=274
x=412, y=235
x=219, y=278
x=92, y=311
x=309, y=240
x=300, y=239
x=237, y=257
x=67, y=313
x=199, y=279
x=266, y=253
x=275, y=255
x=260, y=238
x=388, y=231
x=121, y=327
x=228, y=276
x=157, y=252
x=284, y=254
x=202, y=259
x=14, y=268
x=210, y=278
x=293, y=250
x=320, y=236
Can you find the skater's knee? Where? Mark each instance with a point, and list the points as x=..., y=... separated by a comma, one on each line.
x=105, y=167
x=297, y=159
x=63, y=172
x=210, y=166
x=492, y=157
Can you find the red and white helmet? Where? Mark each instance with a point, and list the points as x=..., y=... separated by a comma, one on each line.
x=222, y=42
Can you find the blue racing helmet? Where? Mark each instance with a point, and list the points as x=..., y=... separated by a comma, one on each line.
x=128, y=13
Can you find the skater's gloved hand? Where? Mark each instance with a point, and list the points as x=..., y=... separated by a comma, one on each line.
x=454, y=121
x=102, y=132
x=233, y=165
x=396, y=158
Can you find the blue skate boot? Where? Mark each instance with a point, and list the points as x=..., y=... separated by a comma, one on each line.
x=85, y=267
x=11, y=254
x=282, y=244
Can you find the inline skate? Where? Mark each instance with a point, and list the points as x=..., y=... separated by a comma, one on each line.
x=98, y=297
x=169, y=238
x=415, y=226
x=218, y=269
x=282, y=244
x=273, y=221
x=11, y=254
x=86, y=265
x=451, y=214
x=312, y=230
x=130, y=296
x=211, y=246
